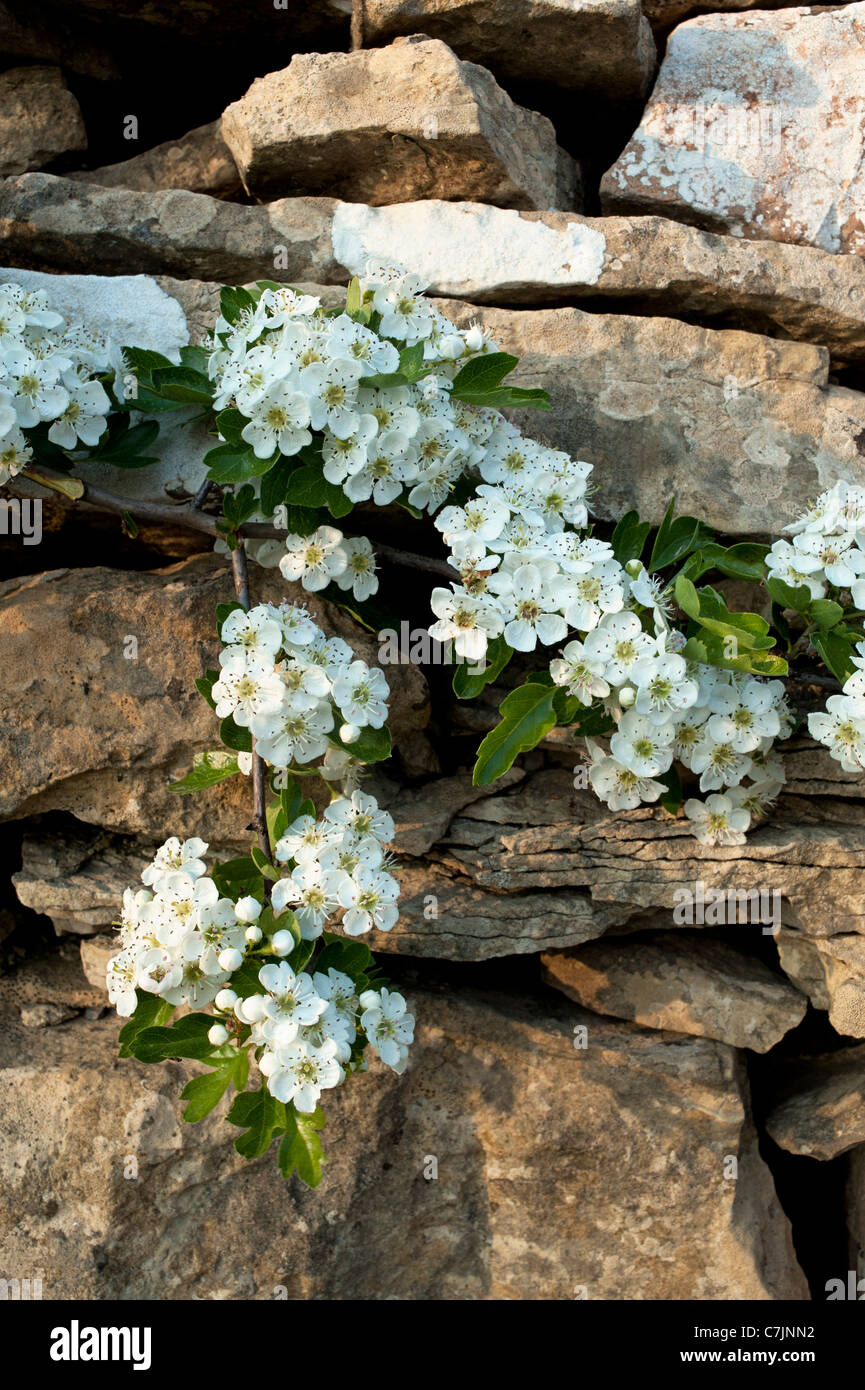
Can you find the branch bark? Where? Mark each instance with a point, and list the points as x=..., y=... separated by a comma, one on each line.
x=240, y=572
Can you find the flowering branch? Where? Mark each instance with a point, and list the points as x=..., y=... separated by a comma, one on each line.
x=240, y=572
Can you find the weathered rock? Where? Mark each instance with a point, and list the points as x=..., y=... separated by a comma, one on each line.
x=51, y=982
x=756, y=125
x=499, y=256
x=40, y=120
x=60, y=224
x=101, y=710
x=683, y=983
x=96, y=952
x=820, y=1111
x=422, y=816
x=605, y=48
x=602, y=1168
x=662, y=13
x=78, y=879
x=389, y=125
x=856, y=1215
x=831, y=972
x=796, y=868
x=199, y=161
x=739, y=428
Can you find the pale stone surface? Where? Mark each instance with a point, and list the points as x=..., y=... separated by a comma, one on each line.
x=831, y=972
x=40, y=120
x=603, y=1167
x=199, y=161
x=683, y=983
x=500, y=256
x=599, y=46
x=388, y=125
x=756, y=125
x=96, y=952
x=820, y=1109
x=740, y=428
x=101, y=734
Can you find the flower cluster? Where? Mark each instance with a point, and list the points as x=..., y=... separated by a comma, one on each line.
x=48, y=375
x=719, y=725
x=828, y=547
x=291, y=686
x=337, y=862
x=842, y=726
x=184, y=941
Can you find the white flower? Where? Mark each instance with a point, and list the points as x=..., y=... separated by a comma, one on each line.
x=292, y=735
x=121, y=976
x=84, y=417
x=331, y=389
x=359, y=574
x=532, y=604
x=744, y=713
x=594, y=594
x=663, y=685
x=580, y=673
x=388, y=1025
x=258, y=632
x=404, y=314
x=642, y=745
x=315, y=560
x=361, y=693
x=466, y=621
x=620, y=643
x=618, y=786
x=369, y=898
x=246, y=688
x=173, y=857
x=278, y=421
x=290, y=1001
x=313, y=891
x=842, y=729
x=299, y=1073
x=719, y=764
x=718, y=820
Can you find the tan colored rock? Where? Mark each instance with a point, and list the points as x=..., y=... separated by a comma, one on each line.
x=831, y=972
x=662, y=13
x=739, y=428
x=389, y=125
x=96, y=952
x=500, y=256
x=599, y=46
x=51, y=982
x=683, y=983
x=199, y=161
x=40, y=120
x=820, y=1109
x=61, y=224
x=78, y=879
x=756, y=126
x=101, y=709
x=603, y=1167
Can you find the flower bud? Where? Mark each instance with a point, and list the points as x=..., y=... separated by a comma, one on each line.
x=282, y=943
x=251, y=1009
x=634, y=568
x=253, y=935
x=247, y=909
x=230, y=959
x=225, y=999
x=349, y=733
x=218, y=1035
x=627, y=695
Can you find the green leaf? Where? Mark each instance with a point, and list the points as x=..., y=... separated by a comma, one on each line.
x=746, y=560
x=825, y=612
x=205, y=1092
x=353, y=958
x=182, y=384
x=143, y=361
x=204, y=685
x=467, y=685
x=222, y=612
x=261, y=1116
x=354, y=298
x=676, y=539
x=797, y=598
x=263, y=864
x=235, y=737
x=308, y=488
x=238, y=507
x=185, y=1038
x=484, y=373
x=707, y=607
x=527, y=715
x=300, y=1150
x=124, y=450
x=233, y=301
x=373, y=745
x=150, y=1012
x=237, y=878
x=629, y=537
x=836, y=649
x=235, y=463
x=673, y=797
x=207, y=770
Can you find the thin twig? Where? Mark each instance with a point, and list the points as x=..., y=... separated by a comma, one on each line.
x=188, y=515
x=240, y=572
x=200, y=497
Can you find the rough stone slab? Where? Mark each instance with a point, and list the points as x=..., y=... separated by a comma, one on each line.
x=388, y=125
x=40, y=120
x=756, y=125
x=831, y=972
x=740, y=428
x=603, y=47
x=199, y=161
x=61, y=224
x=499, y=256
x=820, y=1111
x=603, y=1167
x=680, y=982
x=102, y=735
